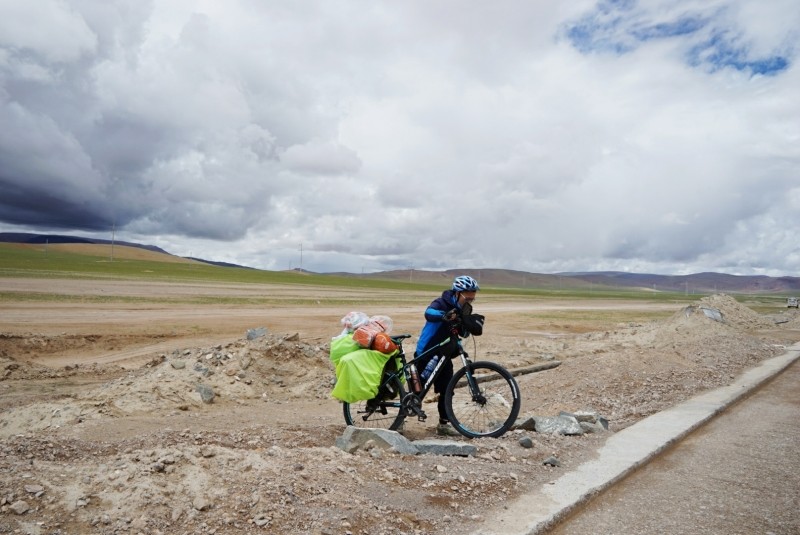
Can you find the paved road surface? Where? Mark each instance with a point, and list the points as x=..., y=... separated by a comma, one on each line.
x=738, y=474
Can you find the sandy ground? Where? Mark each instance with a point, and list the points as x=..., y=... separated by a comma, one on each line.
x=103, y=430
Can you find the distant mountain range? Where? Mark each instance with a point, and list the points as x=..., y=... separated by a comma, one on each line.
x=694, y=283
x=23, y=237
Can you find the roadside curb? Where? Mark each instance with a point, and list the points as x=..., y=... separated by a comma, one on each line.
x=624, y=452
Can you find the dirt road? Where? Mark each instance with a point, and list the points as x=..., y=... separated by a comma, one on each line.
x=138, y=319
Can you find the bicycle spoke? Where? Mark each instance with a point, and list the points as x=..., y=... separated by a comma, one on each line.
x=385, y=415
x=492, y=409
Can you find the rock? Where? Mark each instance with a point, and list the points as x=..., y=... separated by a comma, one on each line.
x=201, y=504
x=355, y=438
x=139, y=523
x=258, y=332
x=528, y=424
x=712, y=313
x=588, y=417
x=177, y=364
x=590, y=427
x=19, y=507
x=526, y=442
x=551, y=461
x=445, y=447
x=558, y=425
x=206, y=393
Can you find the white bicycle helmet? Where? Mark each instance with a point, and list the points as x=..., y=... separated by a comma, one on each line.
x=465, y=283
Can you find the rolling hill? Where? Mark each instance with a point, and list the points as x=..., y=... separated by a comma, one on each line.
x=494, y=277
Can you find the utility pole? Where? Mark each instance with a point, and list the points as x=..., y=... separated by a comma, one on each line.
x=301, y=257
x=113, y=232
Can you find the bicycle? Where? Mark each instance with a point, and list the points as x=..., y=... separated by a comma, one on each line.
x=482, y=399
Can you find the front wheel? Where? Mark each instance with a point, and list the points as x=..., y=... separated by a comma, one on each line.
x=482, y=400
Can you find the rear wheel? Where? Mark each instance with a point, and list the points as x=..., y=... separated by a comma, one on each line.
x=484, y=402
x=387, y=414
x=384, y=415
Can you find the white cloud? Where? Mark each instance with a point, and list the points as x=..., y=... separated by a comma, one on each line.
x=29, y=27
x=658, y=136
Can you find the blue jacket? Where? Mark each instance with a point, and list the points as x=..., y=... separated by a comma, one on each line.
x=436, y=329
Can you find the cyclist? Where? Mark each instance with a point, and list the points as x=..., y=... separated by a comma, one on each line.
x=439, y=315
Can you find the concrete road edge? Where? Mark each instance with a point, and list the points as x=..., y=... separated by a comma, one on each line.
x=624, y=452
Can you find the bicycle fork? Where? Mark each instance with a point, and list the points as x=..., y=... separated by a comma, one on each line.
x=477, y=395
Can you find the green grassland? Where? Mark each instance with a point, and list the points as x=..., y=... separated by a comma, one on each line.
x=16, y=261
x=29, y=261
x=38, y=261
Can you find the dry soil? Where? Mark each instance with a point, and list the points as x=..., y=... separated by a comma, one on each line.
x=103, y=430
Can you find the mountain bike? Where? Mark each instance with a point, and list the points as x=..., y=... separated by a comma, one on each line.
x=482, y=399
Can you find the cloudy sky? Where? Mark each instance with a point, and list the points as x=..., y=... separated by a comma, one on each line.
x=657, y=136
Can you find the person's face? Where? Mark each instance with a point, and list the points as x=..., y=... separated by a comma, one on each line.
x=466, y=297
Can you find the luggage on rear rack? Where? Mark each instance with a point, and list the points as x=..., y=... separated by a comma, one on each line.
x=360, y=369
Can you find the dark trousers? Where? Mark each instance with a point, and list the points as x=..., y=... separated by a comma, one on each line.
x=441, y=382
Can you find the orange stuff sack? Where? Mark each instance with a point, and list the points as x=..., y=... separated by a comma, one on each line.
x=365, y=334
x=383, y=342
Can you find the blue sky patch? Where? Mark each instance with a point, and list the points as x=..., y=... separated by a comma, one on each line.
x=621, y=27
x=683, y=26
x=719, y=52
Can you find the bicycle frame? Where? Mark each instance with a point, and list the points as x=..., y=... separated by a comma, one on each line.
x=397, y=376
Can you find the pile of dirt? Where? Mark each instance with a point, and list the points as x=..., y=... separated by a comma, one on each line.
x=735, y=313
x=793, y=319
x=271, y=367
x=144, y=453
x=28, y=346
x=641, y=368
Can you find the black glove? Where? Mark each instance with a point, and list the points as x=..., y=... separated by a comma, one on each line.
x=473, y=324
x=451, y=315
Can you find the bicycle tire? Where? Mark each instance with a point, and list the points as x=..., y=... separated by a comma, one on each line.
x=493, y=411
x=387, y=414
